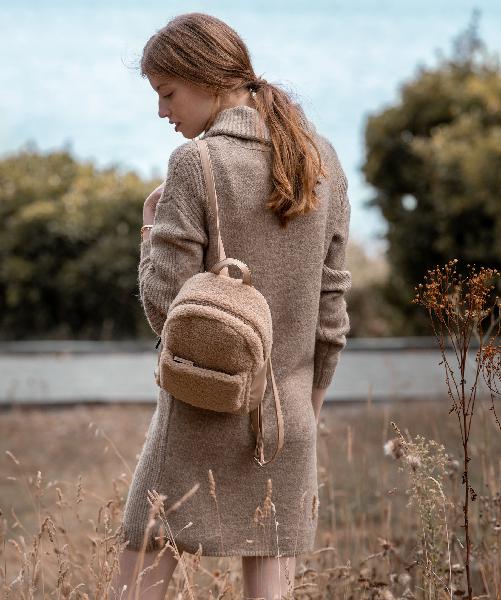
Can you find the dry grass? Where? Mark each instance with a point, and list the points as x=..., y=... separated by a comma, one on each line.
x=65, y=474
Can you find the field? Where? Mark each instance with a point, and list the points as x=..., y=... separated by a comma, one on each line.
x=75, y=464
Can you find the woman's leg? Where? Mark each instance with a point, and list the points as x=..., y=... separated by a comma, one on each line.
x=268, y=577
x=127, y=563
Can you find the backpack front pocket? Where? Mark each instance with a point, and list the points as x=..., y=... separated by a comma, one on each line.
x=201, y=387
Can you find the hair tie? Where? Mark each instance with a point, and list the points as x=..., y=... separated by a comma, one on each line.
x=255, y=85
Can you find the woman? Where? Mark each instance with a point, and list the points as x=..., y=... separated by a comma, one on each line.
x=283, y=211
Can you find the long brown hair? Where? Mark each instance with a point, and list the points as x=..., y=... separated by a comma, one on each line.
x=206, y=52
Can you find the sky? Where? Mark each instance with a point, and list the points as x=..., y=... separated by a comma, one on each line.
x=69, y=75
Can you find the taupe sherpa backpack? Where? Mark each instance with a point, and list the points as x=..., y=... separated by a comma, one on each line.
x=217, y=339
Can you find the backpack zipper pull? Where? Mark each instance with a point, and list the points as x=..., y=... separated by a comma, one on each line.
x=185, y=361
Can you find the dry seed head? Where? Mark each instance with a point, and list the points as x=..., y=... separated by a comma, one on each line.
x=267, y=504
x=161, y=538
x=46, y=525
x=385, y=544
x=197, y=557
x=413, y=461
x=11, y=456
x=156, y=502
x=212, y=485
x=394, y=448
x=16, y=546
x=385, y=594
x=267, y=507
x=80, y=494
x=314, y=507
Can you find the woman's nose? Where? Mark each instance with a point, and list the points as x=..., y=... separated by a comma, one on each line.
x=162, y=112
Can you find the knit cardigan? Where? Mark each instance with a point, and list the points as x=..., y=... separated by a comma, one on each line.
x=301, y=272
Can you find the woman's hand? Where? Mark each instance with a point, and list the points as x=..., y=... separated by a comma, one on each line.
x=150, y=204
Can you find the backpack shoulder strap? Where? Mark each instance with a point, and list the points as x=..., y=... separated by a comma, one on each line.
x=257, y=423
x=211, y=192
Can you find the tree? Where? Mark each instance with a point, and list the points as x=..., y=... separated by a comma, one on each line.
x=69, y=248
x=434, y=159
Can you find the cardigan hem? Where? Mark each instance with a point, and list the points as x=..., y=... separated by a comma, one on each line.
x=256, y=553
x=153, y=545
x=297, y=552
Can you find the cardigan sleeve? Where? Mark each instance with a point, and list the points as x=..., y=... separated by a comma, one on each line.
x=333, y=322
x=175, y=249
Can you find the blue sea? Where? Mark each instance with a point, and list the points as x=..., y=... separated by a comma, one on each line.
x=68, y=76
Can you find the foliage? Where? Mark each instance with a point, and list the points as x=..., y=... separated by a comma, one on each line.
x=426, y=462
x=70, y=248
x=434, y=159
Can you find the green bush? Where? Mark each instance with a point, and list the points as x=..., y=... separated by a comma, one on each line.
x=69, y=249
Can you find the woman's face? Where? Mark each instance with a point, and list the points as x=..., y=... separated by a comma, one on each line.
x=187, y=107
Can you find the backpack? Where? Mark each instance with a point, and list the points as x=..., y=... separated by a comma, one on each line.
x=217, y=339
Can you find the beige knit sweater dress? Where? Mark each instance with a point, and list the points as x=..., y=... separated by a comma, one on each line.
x=301, y=272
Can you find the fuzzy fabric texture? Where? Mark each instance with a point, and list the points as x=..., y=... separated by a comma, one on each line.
x=232, y=505
x=231, y=325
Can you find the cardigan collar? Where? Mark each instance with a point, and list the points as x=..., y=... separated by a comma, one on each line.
x=241, y=121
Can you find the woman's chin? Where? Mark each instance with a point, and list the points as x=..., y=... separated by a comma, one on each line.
x=191, y=135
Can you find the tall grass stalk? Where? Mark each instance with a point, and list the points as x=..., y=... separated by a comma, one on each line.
x=457, y=307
